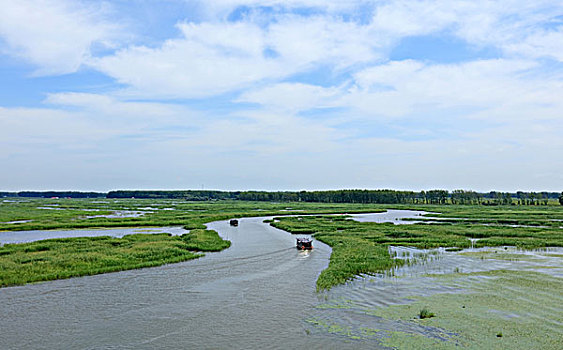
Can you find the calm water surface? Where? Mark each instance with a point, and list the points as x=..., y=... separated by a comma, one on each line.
x=256, y=294
x=36, y=235
x=259, y=293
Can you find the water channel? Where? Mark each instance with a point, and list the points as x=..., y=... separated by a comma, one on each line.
x=255, y=294
x=259, y=293
x=36, y=235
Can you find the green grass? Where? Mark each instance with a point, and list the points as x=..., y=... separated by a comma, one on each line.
x=424, y=313
x=362, y=248
x=358, y=248
x=205, y=241
x=65, y=258
x=72, y=257
x=192, y=215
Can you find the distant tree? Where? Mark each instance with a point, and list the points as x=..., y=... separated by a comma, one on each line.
x=561, y=198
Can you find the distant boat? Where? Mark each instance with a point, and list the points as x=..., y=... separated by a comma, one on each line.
x=233, y=222
x=304, y=243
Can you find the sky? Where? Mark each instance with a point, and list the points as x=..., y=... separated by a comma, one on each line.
x=281, y=95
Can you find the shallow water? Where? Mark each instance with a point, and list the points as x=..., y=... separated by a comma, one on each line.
x=395, y=216
x=348, y=308
x=36, y=235
x=120, y=214
x=256, y=294
x=259, y=293
x=16, y=222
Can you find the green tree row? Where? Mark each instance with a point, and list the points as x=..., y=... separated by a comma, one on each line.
x=462, y=197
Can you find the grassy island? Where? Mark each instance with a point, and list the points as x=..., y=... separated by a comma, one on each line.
x=72, y=257
x=362, y=247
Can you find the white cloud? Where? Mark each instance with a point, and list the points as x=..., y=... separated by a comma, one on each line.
x=544, y=43
x=27, y=130
x=221, y=56
x=406, y=18
x=483, y=124
x=210, y=59
x=56, y=36
x=308, y=41
x=222, y=8
x=400, y=88
x=107, y=105
x=504, y=25
x=214, y=58
x=291, y=97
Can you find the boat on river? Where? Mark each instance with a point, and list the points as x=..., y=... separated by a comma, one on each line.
x=233, y=222
x=304, y=243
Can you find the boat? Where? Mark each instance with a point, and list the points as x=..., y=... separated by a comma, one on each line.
x=233, y=222
x=304, y=243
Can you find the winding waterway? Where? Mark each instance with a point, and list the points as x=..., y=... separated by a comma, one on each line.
x=255, y=294
x=259, y=293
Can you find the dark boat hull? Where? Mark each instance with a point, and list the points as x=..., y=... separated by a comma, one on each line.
x=304, y=244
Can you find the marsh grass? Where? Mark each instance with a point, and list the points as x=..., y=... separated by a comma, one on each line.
x=64, y=258
x=425, y=313
x=72, y=257
x=72, y=213
x=362, y=247
x=205, y=241
x=358, y=248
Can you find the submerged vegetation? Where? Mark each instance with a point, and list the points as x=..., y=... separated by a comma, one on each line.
x=424, y=313
x=363, y=247
x=521, y=307
x=358, y=248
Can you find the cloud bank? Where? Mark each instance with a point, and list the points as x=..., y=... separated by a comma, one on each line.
x=288, y=95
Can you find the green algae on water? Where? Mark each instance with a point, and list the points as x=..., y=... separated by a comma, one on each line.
x=525, y=307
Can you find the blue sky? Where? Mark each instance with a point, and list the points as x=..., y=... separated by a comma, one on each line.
x=281, y=95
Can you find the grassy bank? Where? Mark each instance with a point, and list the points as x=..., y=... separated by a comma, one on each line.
x=50, y=214
x=72, y=257
x=362, y=248
x=357, y=247
x=64, y=258
x=205, y=241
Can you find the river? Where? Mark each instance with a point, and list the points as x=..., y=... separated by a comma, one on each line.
x=259, y=293
x=256, y=294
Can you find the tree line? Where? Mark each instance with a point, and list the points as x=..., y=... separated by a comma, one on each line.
x=54, y=194
x=462, y=197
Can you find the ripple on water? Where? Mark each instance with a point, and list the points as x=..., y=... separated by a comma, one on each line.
x=356, y=307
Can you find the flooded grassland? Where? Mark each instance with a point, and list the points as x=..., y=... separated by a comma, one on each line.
x=502, y=300
x=60, y=238
x=476, y=296
x=492, y=281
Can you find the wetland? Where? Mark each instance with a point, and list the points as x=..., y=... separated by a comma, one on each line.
x=373, y=271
